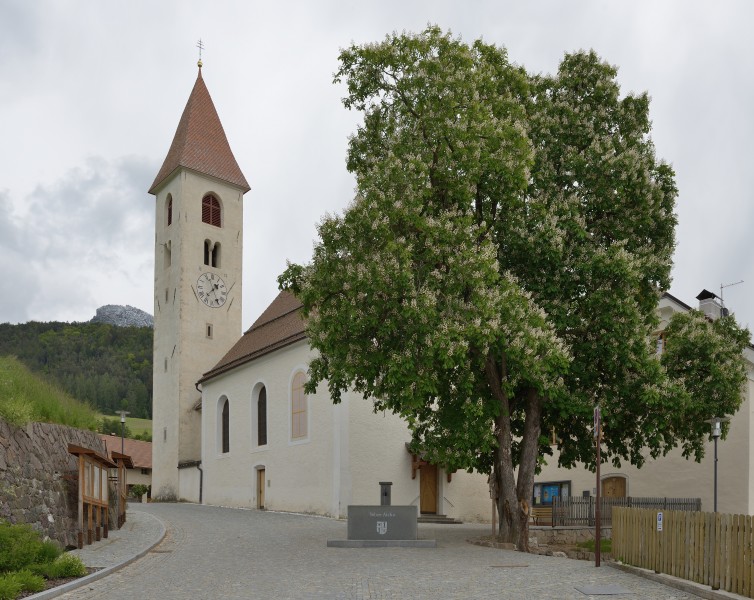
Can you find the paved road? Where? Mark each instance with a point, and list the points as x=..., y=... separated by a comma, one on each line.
x=212, y=553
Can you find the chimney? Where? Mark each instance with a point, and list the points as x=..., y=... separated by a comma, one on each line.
x=710, y=305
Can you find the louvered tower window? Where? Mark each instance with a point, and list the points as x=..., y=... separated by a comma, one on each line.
x=211, y=212
x=170, y=210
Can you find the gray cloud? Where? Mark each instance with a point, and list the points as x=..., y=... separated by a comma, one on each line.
x=80, y=243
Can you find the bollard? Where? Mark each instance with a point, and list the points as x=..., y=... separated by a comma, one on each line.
x=385, y=492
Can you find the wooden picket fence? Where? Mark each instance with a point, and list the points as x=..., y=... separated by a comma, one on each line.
x=577, y=510
x=713, y=549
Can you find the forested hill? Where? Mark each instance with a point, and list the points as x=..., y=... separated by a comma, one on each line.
x=109, y=367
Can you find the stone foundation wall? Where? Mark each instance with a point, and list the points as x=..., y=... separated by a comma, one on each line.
x=39, y=478
x=563, y=536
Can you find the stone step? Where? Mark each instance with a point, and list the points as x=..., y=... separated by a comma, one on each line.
x=437, y=520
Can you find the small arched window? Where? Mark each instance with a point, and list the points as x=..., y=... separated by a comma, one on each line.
x=216, y=255
x=211, y=212
x=299, y=418
x=207, y=245
x=262, y=417
x=169, y=209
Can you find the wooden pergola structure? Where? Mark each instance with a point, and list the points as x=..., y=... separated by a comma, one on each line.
x=124, y=462
x=93, y=497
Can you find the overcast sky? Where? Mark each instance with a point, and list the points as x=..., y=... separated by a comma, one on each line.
x=91, y=94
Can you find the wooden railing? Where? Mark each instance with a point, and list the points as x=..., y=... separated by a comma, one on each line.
x=581, y=511
x=713, y=549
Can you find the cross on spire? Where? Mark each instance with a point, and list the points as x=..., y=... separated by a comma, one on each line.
x=200, y=45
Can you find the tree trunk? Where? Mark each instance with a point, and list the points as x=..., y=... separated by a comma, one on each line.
x=513, y=497
x=508, y=507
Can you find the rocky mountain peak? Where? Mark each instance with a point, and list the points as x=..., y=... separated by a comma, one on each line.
x=123, y=316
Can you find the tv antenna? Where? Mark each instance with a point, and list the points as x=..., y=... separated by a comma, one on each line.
x=727, y=285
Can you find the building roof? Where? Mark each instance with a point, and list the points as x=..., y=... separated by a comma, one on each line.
x=280, y=325
x=200, y=143
x=139, y=451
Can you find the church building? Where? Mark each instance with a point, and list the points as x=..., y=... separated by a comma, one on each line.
x=232, y=424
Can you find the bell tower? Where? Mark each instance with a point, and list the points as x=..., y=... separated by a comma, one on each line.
x=197, y=285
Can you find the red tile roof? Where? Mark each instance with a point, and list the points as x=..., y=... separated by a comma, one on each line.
x=200, y=143
x=278, y=326
x=139, y=451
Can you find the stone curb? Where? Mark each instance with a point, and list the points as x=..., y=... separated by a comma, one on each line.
x=690, y=587
x=81, y=582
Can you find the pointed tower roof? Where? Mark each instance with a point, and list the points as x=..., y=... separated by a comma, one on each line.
x=200, y=143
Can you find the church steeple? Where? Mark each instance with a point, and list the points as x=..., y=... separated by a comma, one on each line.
x=200, y=143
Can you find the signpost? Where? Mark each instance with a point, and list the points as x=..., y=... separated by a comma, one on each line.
x=597, y=515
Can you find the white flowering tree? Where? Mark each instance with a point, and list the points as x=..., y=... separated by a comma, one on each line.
x=498, y=272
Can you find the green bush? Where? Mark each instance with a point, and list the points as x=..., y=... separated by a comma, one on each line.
x=10, y=587
x=48, y=552
x=68, y=565
x=138, y=490
x=29, y=581
x=19, y=547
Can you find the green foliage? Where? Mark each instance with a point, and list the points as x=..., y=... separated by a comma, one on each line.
x=68, y=565
x=138, y=490
x=104, y=365
x=26, y=397
x=25, y=560
x=48, y=552
x=606, y=545
x=112, y=425
x=29, y=581
x=20, y=547
x=704, y=360
x=10, y=586
x=498, y=272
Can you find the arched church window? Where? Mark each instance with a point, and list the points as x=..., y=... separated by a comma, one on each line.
x=207, y=245
x=169, y=207
x=211, y=212
x=262, y=417
x=216, y=255
x=299, y=417
x=224, y=426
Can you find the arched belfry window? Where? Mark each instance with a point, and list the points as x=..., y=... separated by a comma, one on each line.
x=169, y=209
x=211, y=212
x=212, y=254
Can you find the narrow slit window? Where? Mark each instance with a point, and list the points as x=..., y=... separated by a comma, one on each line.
x=169, y=209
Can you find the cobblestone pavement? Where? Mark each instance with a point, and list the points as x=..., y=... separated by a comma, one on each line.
x=212, y=553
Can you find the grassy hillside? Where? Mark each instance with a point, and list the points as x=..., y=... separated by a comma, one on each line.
x=26, y=397
x=104, y=365
x=134, y=426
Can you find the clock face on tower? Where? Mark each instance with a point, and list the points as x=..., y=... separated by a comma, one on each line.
x=211, y=290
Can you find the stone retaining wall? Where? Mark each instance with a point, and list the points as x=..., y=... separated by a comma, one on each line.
x=39, y=478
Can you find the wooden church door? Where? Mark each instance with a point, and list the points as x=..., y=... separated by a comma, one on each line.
x=428, y=489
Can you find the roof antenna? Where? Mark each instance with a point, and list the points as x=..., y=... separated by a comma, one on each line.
x=724, y=312
x=200, y=45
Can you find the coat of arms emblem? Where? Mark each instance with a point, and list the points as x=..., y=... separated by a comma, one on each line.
x=382, y=527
